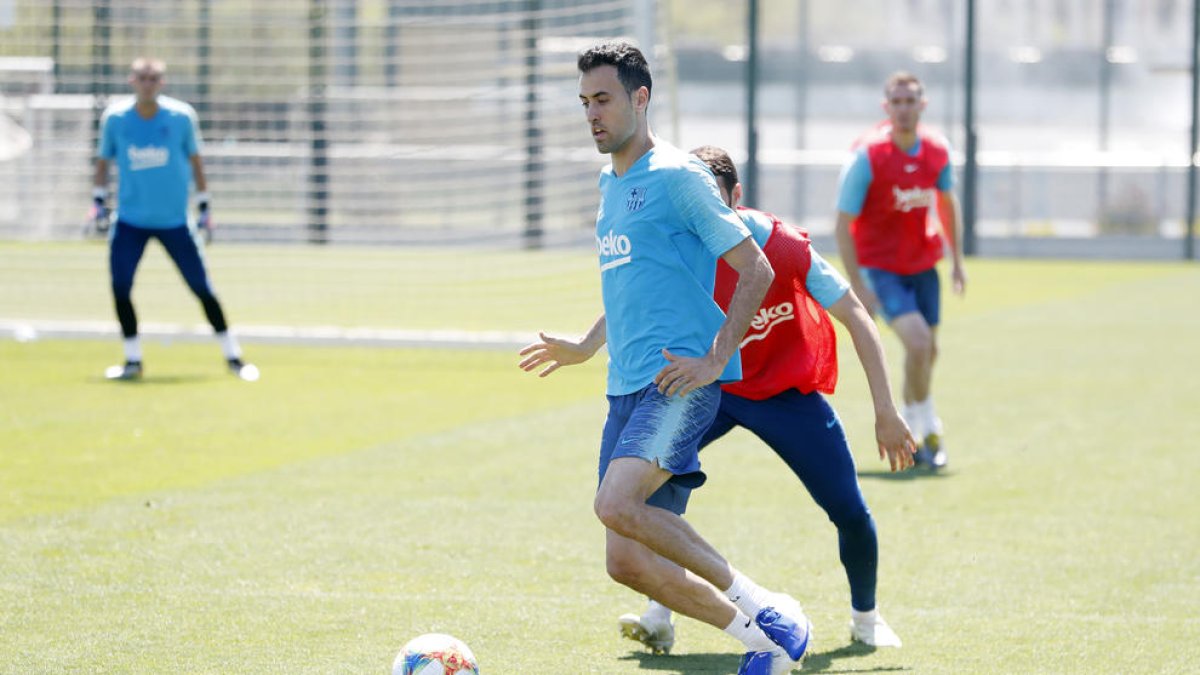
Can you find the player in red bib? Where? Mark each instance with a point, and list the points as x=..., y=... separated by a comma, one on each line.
x=890, y=245
x=789, y=359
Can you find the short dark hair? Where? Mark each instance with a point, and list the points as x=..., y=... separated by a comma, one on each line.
x=905, y=78
x=720, y=164
x=632, y=69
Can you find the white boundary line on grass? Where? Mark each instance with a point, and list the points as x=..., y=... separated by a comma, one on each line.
x=28, y=330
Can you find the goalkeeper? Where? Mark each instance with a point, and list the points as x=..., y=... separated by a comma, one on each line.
x=154, y=141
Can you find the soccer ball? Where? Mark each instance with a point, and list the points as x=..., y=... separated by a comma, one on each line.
x=435, y=654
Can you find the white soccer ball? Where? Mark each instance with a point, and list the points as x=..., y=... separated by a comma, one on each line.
x=435, y=654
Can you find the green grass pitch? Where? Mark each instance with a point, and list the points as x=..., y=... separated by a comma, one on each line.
x=356, y=497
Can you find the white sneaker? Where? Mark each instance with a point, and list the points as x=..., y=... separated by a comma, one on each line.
x=657, y=635
x=874, y=631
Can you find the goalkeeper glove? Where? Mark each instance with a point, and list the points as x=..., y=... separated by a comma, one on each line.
x=98, y=216
x=204, y=219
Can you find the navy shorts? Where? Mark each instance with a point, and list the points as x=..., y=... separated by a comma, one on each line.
x=805, y=432
x=900, y=294
x=663, y=431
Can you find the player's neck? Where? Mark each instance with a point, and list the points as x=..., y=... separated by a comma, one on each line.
x=904, y=139
x=627, y=156
x=147, y=109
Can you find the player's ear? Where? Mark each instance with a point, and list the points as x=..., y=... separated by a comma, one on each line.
x=641, y=98
x=736, y=196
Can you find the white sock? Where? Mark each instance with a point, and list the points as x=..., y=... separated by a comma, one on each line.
x=867, y=617
x=657, y=612
x=133, y=348
x=742, y=628
x=933, y=425
x=748, y=596
x=229, y=345
x=915, y=420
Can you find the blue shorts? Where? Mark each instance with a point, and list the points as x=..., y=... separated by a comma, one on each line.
x=805, y=432
x=900, y=294
x=663, y=431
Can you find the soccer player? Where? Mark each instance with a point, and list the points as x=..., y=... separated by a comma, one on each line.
x=789, y=358
x=156, y=145
x=890, y=246
x=660, y=228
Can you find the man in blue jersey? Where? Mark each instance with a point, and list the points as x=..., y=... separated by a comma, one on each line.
x=660, y=229
x=789, y=359
x=155, y=143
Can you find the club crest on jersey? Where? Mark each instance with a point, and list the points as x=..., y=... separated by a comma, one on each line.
x=635, y=199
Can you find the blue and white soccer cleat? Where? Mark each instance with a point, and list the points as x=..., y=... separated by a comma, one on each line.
x=774, y=662
x=937, y=454
x=791, y=630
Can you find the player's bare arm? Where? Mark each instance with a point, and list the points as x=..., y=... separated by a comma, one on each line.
x=198, y=173
x=951, y=216
x=553, y=352
x=101, y=178
x=895, y=440
x=845, y=244
x=683, y=374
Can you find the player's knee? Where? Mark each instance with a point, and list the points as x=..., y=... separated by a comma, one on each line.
x=625, y=569
x=616, y=514
x=122, y=290
x=919, y=346
x=853, y=519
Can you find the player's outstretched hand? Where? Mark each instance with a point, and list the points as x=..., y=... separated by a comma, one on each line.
x=684, y=374
x=553, y=353
x=958, y=277
x=896, y=442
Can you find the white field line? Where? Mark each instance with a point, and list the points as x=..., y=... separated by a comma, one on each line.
x=28, y=330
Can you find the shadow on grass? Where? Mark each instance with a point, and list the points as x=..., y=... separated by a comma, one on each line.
x=151, y=380
x=905, y=476
x=727, y=664
x=686, y=664
x=825, y=662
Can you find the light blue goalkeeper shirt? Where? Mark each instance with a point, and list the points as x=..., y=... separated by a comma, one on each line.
x=153, y=160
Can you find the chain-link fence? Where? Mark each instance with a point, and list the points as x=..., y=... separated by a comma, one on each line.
x=401, y=120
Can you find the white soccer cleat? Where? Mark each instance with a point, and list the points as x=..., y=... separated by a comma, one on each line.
x=130, y=370
x=873, y=631
x=243, y=371
x=656, y=634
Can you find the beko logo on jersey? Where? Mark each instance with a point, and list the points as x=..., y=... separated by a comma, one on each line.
x=913, y=198
x=147, y=157
x=767, y=318
x=614, y=244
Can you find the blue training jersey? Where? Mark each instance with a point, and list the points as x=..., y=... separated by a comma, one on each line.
x=856, y=179
x=660, y=229
x=153, y=160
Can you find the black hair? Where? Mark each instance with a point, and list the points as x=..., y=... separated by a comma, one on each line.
x=632, y=69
